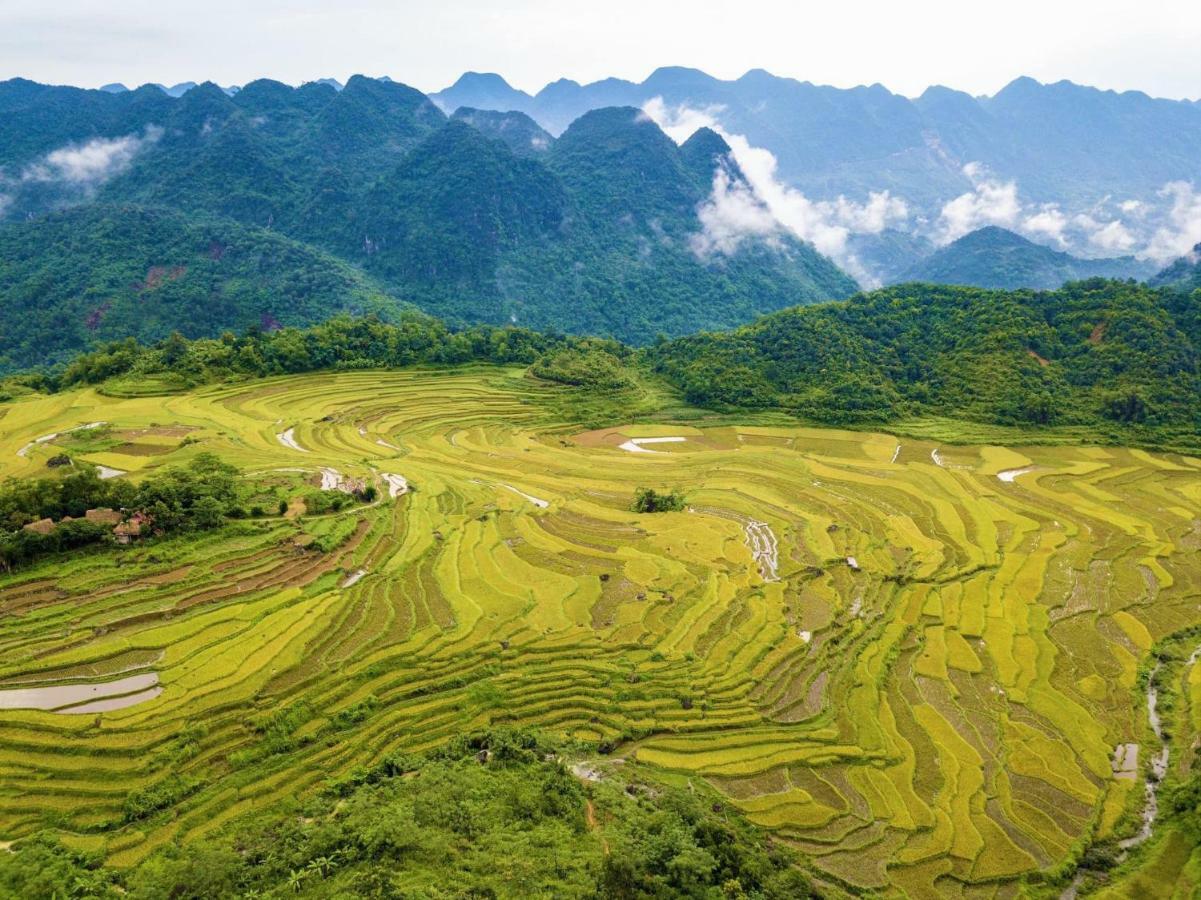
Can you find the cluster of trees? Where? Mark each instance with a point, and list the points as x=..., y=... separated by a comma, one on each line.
x=196, y=497
x=597, y=364
x=491, y=815
x=1094, y=352
x=343, y=342
x=648, y=500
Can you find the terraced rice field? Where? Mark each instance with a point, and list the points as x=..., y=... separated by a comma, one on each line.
x=916, y=662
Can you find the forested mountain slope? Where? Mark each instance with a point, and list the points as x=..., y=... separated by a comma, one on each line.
x=1182, y=275
x=105, y=272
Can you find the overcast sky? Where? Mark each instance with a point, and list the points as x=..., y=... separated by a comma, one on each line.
x=1150, y=45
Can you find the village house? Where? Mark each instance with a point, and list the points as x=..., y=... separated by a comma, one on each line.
x=134, y=527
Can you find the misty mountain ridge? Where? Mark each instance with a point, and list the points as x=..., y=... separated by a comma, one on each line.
x=993, y=257
x=1109, y=173
x=1184, y=274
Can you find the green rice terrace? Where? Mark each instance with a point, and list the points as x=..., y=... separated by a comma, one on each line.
x=924, y=667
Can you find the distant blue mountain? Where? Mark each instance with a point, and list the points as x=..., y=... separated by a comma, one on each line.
x=1062, y=142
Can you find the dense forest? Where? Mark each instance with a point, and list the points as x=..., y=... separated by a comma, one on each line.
x=490, y=815
x=91, y=274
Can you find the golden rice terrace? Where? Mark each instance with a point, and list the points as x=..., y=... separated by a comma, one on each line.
x=917, y=663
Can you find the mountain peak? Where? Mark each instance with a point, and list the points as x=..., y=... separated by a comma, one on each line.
x=704, y=152
x=481, y=90
x=678, y=75
x=524, y=136
x=1021, y=86
x=486, y=80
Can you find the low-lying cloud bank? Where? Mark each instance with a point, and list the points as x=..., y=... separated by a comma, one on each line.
x=763, y=207
x=79, y=169
x=1109, y=228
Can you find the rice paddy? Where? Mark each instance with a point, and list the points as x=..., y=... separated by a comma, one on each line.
x=916, y=662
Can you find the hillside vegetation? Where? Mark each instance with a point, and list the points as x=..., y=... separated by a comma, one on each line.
x=1183, y=275
x=1097, y=360
x=1116, y=357
x=93, y=274
x=497, y=814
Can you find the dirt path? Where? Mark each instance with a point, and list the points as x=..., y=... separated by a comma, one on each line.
x=594, y=825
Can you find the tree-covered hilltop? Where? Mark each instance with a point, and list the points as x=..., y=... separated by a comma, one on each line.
x=480, y=218
x=993, y=257
x=1118, y=359
x=1182, y=275
x=345, y=343
x=97, y=273
x=1098, y=353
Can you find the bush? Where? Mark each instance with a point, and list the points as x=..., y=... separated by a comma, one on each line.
x=648, y=500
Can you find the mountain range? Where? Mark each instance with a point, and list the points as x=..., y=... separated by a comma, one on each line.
x=1184, y=274
x=480, y=217
x=1095, y=172
x=1061, y=141
x=370, y=197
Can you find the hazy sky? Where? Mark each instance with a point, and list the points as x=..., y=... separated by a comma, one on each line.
x=1150, y=45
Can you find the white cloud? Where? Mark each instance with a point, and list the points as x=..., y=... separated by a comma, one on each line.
x=1182, y=231
x=92, y=163
x=1113, y=237
x=881, y=210
x=990, y=202
x=731, y=215
x=5, y=202
x=1048, y=222
x=760, y=207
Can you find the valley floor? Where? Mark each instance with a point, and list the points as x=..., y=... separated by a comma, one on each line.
x=914, y=662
